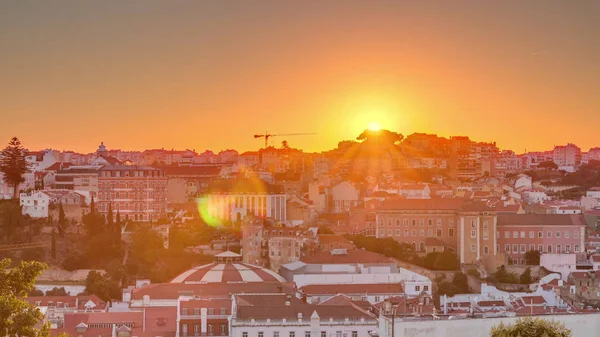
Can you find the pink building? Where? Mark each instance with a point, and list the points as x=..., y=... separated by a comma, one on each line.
x=548, y=233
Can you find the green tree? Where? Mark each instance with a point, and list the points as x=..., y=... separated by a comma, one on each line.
x=11, y=220
x=14, y=165
x=35, y=292
x=446, y=288
x=548, y=165
x=17, y=317
x=97, y=284
x=53, y=244
x=460, y=283
x=324, y=230
x=62, y=220
x=380, y=137
x=532, y=258
x=93, y=221
x=110, y=219
x=525, y=278
x=118, y=228
x=531, y=327
x=56, y=291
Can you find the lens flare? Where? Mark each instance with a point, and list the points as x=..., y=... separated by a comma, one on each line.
x=228, y=201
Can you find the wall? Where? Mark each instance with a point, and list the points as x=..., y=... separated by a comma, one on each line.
x=69, y=288
x=581, y=325
x=306, y=324
x=408, y=283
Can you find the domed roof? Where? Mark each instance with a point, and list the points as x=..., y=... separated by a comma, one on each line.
x=228, y=273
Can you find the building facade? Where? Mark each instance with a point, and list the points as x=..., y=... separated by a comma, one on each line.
x=136, y=192
x=465, y=228
x=234, y=199
x=546, y=233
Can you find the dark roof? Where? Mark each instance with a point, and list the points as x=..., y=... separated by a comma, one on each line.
x=204, y=171
x=244, y=185
x=58, y=166
x=351, y=256
x=111, y=160
x=274, y=306
x=541, y=219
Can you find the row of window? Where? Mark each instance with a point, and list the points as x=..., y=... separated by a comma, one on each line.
x=210, y=327
x=438, y=232
x=306, y=334
x=196, y=311
x=516, y=249
x=107, y=185
x=413, y=222
x=130, y=173
x=540, y=234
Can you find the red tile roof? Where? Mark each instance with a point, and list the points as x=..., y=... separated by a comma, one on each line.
x=540, y=219
x=533, y=300
x=491, y=303
x=161, y=319
x=210, y=290
x=352, y=289
x=279, y=306
x=58, y=166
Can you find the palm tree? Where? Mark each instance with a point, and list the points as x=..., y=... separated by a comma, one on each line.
x=14, y=165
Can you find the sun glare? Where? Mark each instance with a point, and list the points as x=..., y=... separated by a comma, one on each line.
x=374, y=126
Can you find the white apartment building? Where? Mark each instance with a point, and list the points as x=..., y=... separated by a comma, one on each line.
x=355, y=267
x=234, y=199
x=282, y=315
x=35, y=204
x=567, y=155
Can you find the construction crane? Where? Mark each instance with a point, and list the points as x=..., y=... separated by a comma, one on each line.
x=267, y=135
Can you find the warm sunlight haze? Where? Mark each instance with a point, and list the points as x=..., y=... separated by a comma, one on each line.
x=355, y=168
x=374, y=126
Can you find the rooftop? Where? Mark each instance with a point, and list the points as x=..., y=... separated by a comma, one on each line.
x=540, y=219
x=352, y=289
x=280, y=306
x=344, y=256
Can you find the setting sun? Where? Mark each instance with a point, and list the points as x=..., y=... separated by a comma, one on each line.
x=374, y=126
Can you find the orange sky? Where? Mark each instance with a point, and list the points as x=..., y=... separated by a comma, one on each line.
x=209, y=74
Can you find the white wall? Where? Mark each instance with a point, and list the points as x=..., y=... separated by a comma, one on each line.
x=409, y=283
x=559, y=263
x=284, y=329
x=72, y=290
x=581, y=325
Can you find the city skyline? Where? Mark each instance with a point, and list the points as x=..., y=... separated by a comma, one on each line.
x=211, y=75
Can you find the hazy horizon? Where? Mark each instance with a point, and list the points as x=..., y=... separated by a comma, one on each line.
x=210, y=74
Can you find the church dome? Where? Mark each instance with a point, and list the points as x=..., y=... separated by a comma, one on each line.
x=227, y=270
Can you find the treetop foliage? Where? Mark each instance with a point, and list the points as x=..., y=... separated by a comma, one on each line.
x=531, y=327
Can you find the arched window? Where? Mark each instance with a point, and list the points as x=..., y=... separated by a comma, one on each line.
x=414, y=245
x=422, y=247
